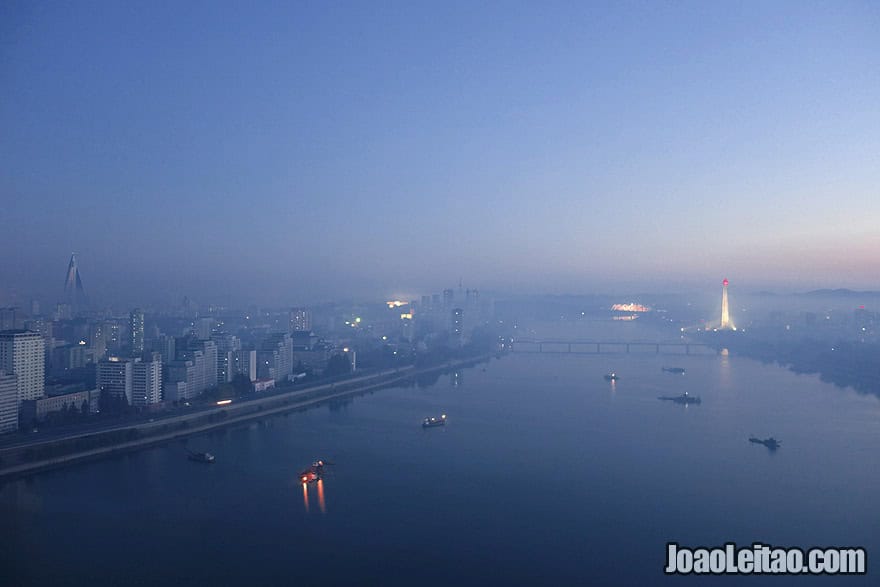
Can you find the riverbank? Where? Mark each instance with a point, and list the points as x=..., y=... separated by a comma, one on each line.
x=68, y=451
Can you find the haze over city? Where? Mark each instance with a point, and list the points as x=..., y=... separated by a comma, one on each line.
x=295, y=152
x=439, y=293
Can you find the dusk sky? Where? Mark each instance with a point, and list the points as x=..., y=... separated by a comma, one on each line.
x=293, y=152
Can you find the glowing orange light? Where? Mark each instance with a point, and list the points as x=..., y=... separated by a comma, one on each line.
x=224, y=402
x=306, y=497
x=631, y=307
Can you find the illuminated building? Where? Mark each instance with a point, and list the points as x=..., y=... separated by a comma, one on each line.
x=300, y=319
x=263, y=384
x=244, y=362
x=146, y=381
x=351, y=355
x=628, y=311
x=226, y=344
x=457, y=326
x=136, y=332
x=275, y=357
x=114, y=377
x=203, y=355
x=631, y=307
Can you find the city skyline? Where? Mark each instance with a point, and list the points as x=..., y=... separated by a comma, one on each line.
x=462, y=257
x=312, y=152
x=72, y=298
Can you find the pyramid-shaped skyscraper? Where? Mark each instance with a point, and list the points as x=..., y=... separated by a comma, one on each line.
x=73, y=288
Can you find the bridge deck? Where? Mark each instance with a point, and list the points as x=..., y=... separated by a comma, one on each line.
x=593, y=347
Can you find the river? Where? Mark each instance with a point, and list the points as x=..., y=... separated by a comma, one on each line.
x=545, y=474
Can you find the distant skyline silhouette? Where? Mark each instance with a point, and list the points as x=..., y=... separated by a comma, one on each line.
x=295, y=153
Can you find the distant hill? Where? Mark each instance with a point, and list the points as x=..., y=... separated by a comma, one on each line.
x=842, y=292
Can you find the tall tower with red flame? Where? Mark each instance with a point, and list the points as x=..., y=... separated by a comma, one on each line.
x=725, y=312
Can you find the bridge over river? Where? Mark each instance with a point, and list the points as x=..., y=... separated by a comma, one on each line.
x=596, y=347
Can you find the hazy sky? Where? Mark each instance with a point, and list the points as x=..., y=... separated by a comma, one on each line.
x=295, y=151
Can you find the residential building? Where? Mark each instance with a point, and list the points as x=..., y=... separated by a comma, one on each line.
x=22, y=352
x=226, y=344
x=244, y=362
x=115, y=377
x=196, y=367
x=275, y=357
x=9, y=405
x=136, y=332
x=300, y=319
x=146, y=383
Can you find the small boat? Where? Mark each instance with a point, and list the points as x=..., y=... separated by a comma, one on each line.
x=681, y=399
x=433, y=421
x=611, y=377
x=770, y=443
x=314, y=472
x=201, y=457
x=678, y=370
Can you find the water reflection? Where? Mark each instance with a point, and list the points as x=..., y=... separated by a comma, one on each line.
x=319, y=488
x=647, y=455
x=455, y=380
x=321, y=505
x=724, y=370
x=306, y=496
x=24, y=494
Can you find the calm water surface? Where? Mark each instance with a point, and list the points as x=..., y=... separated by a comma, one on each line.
x=545, y=474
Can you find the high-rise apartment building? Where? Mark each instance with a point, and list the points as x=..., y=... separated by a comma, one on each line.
x=136, y=332
x=11, y=318
x=203, y=328
x=97, y=339
x=456, y=327
x=275, y=357
x=9, y=405
x=166, y=346
x=22, y=353
x=226, y=344
x=196, y=366
x=115, y=377
x=300, y=319
x=146, y=382
x=244, y=362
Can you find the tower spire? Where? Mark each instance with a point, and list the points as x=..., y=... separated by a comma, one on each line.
x=725, y=311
